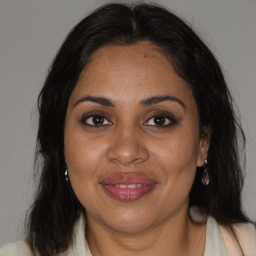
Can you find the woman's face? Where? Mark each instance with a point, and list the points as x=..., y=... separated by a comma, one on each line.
x=132, y=140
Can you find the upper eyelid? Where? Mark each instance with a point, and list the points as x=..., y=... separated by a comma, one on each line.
x=90, y=114
x=96, y=112
x=109, y=122
x=161, y=113
x=172, y=121
x=165, y=116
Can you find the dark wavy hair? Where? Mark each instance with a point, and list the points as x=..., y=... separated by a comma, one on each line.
x=56, y=208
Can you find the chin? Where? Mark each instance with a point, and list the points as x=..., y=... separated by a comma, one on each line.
x=129, y=221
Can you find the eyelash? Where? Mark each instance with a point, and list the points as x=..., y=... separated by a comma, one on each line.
x=165, y=115
x=91, y=115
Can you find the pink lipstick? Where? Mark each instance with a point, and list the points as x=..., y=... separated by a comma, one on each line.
x=127, y=187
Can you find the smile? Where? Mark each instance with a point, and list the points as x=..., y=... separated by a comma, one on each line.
x=127, y=187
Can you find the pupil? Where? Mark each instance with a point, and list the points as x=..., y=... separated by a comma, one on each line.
x=159, y=120
x=98, y=120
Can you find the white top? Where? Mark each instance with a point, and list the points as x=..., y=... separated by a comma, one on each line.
x=215, y=245
x=218, y=242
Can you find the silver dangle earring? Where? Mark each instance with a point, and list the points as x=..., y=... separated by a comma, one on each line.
x=205, y=176
x=66, y=171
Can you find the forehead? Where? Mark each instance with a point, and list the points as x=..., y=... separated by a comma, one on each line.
x=144, y=51
x=139, y=70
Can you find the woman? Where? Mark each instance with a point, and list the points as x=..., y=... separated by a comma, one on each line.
x=138, y=140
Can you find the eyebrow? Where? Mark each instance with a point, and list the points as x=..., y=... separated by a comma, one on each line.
x=158, y=99
x=147, y=102
x=100, y=100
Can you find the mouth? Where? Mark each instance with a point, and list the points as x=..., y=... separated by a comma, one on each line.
x=127, y=187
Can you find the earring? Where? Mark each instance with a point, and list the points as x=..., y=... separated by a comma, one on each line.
x=205, y=176
x=66, y=171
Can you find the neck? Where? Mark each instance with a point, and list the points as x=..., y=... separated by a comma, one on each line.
x=175, y=236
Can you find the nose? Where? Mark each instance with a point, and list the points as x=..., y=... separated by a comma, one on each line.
x=127, y=148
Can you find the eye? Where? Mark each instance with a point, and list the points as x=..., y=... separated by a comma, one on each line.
x=161, y=120
x=95, y=120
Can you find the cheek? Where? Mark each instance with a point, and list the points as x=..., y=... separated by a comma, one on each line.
x=177, y=158
x=178, y=162
x=83, y=159
x=180, y=150
x=82, y=151
x=82, y=171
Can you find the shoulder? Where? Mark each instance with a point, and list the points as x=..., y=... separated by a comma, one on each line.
x=20, y=248
x=244, y=238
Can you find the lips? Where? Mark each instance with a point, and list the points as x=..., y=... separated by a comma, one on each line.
x=127, y=187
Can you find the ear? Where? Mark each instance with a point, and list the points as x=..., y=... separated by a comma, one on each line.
x=204, y=144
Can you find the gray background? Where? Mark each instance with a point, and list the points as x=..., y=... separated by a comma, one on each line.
x=31, y=32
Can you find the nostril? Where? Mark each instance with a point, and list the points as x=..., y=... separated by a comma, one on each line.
x=127, y=152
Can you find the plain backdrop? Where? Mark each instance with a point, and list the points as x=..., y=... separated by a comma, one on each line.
x=31, y=31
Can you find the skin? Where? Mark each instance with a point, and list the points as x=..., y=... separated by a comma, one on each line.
x=129, y=141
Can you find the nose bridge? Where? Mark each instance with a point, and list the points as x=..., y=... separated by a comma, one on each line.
x=127, y=146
